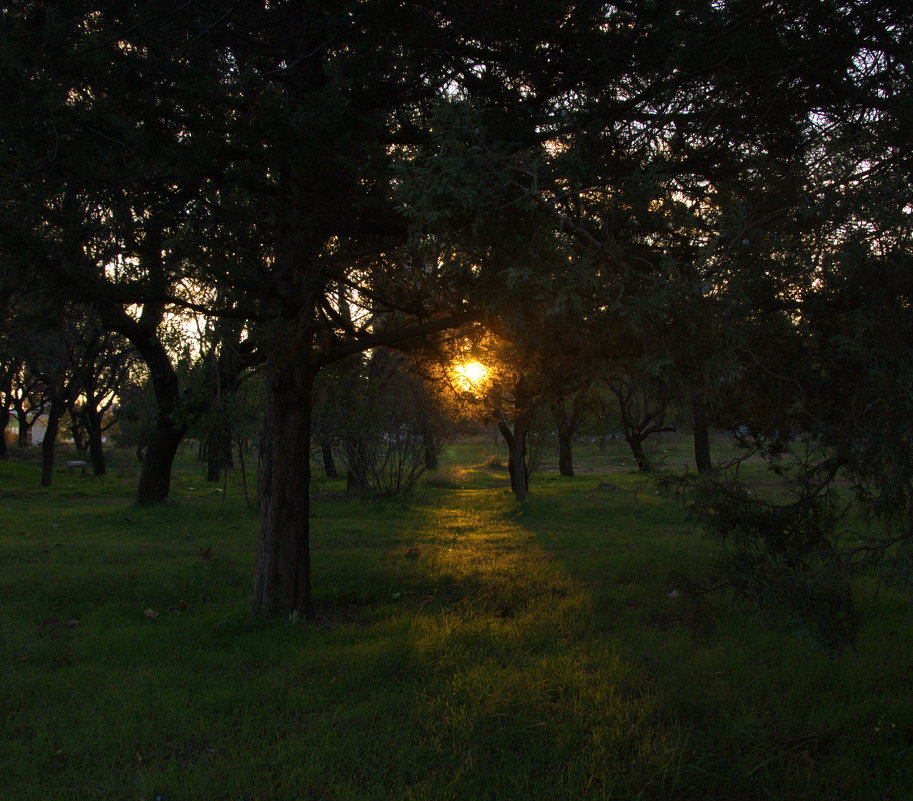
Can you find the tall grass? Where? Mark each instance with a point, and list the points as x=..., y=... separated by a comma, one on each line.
x=464, y=647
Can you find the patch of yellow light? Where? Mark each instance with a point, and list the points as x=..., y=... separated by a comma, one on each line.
x=469, y=375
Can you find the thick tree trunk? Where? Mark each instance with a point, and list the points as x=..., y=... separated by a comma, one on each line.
x=702, y=457
x=49, y=443
x=158, y=458
x=282, y=583
x=163, y=441
x=166, y=435
x=4, y=451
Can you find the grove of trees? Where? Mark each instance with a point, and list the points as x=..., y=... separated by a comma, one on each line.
x=703, y=206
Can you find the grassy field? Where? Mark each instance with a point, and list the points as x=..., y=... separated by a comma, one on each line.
x=465, y=647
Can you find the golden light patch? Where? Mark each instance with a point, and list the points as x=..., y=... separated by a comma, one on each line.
x=469, y=375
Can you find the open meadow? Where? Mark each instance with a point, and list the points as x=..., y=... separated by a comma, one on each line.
x=465, y=647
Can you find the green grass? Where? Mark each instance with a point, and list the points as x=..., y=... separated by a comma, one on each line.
x=465, y=647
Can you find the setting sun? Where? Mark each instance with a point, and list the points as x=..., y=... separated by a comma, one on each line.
x=470, y=374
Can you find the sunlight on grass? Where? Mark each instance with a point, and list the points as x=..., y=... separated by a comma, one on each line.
x=465, y=647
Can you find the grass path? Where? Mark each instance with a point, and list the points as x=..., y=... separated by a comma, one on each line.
x=524, y=699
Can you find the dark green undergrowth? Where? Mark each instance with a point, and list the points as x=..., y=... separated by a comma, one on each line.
x=463, y=647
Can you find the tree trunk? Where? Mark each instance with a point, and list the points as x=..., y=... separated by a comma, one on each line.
x=565, y=436
x=158, y=458
x=516, y=462
x=640, y=455
x=431, y=448
x=96, y=449
x=565, y=454
x=76, y=431
x=702, y=457
x=4, y=451
x=49, y=444
x=282, y=582
x=25, y=430
x=166, y=435
x=329, y=466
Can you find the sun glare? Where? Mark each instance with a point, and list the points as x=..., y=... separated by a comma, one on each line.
x=470, y=374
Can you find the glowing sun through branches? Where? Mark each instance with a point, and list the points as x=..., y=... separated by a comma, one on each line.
x=469, y=376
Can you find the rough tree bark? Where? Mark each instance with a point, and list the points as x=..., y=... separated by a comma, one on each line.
x=282, y=573
x=282, y=583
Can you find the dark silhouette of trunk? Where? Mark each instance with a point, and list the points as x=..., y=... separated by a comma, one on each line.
x=213, y=458
x=48, y=445
x=158, y=459
x=516, y=463
x=329, y=465
x=6, y=389
x=94, y=428
x=702, y=457
x=80, y=442
x=25, y=423
x=565, y=454
x=167, y=431
x=431, y=448
x=282, y=573
x=639, y=420
x=636, y=444
x=96, y=448
x=164, y=438
x=4, y=422
x=567, y=425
